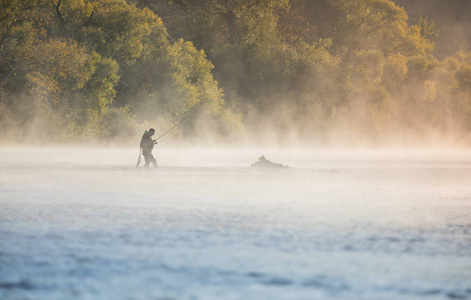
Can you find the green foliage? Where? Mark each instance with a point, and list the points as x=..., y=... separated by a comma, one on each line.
x=99, y=70
x=87, y=64
x=118, y=124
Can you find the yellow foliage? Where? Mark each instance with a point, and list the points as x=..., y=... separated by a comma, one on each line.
x=429, y=91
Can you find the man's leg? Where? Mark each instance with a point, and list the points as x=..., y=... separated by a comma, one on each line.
x=147, y=159
x=153, y=161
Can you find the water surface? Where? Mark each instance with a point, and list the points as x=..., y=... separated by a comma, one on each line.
x=86, y=224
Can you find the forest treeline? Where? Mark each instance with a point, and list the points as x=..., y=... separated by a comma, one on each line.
x=275, y=71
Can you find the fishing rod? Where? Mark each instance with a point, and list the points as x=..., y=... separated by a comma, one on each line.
x=183, y=120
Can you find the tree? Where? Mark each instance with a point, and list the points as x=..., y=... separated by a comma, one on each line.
x=378, y=24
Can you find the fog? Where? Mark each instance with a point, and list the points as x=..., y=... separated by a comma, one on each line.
x=275, y=73
x=82, y=223
x=367, y=102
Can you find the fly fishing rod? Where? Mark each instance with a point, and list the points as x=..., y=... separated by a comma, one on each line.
x=183, y=120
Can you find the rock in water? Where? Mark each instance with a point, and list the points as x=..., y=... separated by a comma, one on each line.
x=265, y=163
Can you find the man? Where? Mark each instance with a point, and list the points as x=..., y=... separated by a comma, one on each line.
x=147, y=144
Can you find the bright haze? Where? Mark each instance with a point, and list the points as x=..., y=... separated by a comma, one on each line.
x=306, y=149
x=82, y=223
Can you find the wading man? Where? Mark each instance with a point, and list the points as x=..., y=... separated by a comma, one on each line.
x=147, y=144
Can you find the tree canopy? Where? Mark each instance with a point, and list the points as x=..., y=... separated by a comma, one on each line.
x=97, y=69
x=356, y=71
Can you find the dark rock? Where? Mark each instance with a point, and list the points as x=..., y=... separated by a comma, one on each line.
x=265, y=163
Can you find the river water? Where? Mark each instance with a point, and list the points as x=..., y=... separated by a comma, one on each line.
x=86, y=224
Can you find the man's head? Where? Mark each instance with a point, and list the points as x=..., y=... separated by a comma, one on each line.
x=152, y=131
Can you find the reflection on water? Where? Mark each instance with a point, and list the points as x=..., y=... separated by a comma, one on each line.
x=78, y=223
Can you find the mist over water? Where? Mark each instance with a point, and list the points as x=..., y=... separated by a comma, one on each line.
x=366, y=101
x=79, y=223
x=313, y=73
